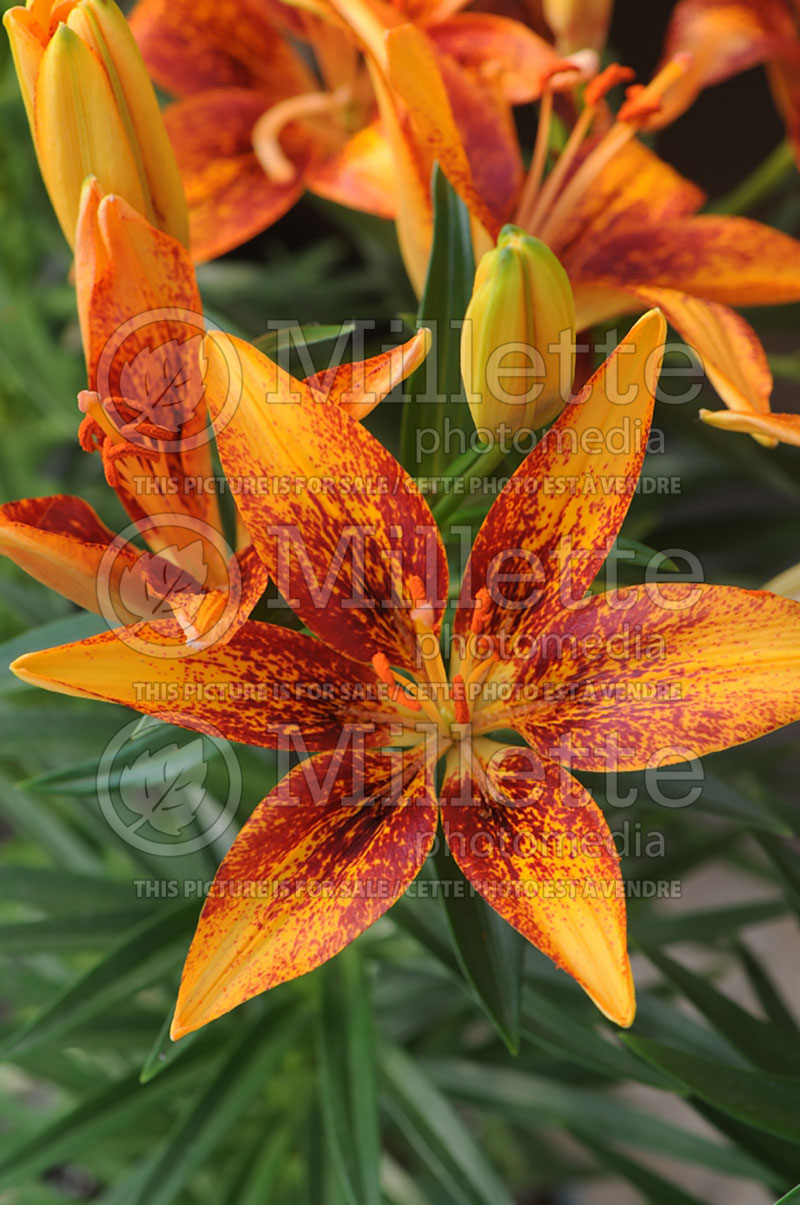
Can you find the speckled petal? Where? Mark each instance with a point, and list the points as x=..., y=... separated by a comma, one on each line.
x=316, y=864
x=265, y=683
x=362, y=385
x=61, y=541
x=663, y=673
x=535, y=845
x=339, y=524
x=547, y=535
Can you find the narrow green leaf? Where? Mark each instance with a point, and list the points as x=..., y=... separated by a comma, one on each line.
x=444, y=301
x=311, y=334
x=490, y=953
x=791, y=1197
x=111, y=1111
x=348, y=1077
x=777, y=1156
x=769, y=997
x=761, y=1043
x=142, y=956
x=263, y=1168
x=770, y=1103
x=52, y=889
x=66, y=934
x=708, y=925
x=436, y=1133
x=245, y=1072
x=528, y=1099
x=655, y=1189
x=164, y=1052
x=424, y=920
x=555, y=1030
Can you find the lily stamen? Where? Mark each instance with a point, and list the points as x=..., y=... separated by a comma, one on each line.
x=267, y=130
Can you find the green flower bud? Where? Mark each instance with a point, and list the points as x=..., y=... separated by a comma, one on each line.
x=518, y=338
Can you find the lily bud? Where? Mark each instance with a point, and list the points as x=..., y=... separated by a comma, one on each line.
x=518, y=338
x=93, y=112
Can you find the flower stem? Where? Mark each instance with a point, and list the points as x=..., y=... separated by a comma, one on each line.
x=759, y=185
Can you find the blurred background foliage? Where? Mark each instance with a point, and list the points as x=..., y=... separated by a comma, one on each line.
x=439, y=1059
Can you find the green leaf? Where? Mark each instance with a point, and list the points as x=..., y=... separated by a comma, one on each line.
x=527, y=1099
x=248, y=1064
x=761, y=1043
x=164, y=1052
x=655, y=1189
x=263, y=1168
x=113, y=1110
x=277, y=342
x=553, y=1029
x=436, y=1133
x=143, y=955
x=348, y=1077
x=777, y=1156
x=770, y=1103
x=59, y=631
x=708, y=925
x=791, y=1197
x=490, y=953
x=769, y=997
x=448, y=288
x=65, y=934
x=52, y=889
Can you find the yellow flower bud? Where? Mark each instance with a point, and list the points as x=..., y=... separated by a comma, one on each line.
x=518, y=338
x=93, y=112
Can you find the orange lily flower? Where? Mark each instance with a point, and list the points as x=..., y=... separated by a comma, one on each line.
x=340, y=838
x=626, y=229
x=255, y=126
x=725, y=37
x=146, y=411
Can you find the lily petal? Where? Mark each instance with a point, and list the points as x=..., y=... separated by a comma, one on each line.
x=500, y=49
x=338, y=523
x=360, y=175
x=731, y=260
x=362, y=385
x=60, y=541
x=316, y=864
x=635, y=188
x=666, y=672
x=768, y=428
x=730, y=350
x=723, y=37
x=264, y=684
x=547, y=535
x=536, y=846
x=192, y=45
x=414, y=74
x=230, y=196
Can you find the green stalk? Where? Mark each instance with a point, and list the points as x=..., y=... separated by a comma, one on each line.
x=759, y=185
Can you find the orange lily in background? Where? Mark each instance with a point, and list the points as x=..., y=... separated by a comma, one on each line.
x=725, y=37
x=146, y=411
x=626, y=229
x=92, y=110
x=346, y=831
x=578, y=24
x=256, y=125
